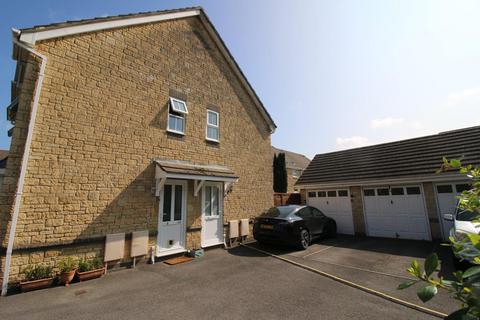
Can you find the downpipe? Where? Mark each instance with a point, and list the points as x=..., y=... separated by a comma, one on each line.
x=26, y=154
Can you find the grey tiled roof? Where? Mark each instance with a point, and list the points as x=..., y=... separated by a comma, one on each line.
x=413, y=157
x=293, y=160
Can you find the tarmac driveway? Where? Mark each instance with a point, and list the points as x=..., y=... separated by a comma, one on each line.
x=236, y=284
x=377, y=263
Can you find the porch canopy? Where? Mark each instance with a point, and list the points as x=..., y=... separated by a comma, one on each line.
x=199, y=173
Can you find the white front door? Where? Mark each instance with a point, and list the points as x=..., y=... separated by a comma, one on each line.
x=212, y=214
x=447, y=203
x=335, y=204
x=396, y=212
x=171, y=218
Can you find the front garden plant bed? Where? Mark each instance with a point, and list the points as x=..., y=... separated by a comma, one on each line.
x=37, y=277
x=90, y=269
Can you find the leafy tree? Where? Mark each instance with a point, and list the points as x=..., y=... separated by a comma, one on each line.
x=466, y=286
x=280, y=183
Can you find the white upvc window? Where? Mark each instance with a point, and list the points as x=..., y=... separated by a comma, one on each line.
x=296, y=173
x=177, y=110
x=213, y=130
x=212, y=200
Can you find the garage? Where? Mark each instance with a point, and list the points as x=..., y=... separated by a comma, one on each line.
x=398, y=189
x=335, y=204
x=396, y=212
x=447, y=202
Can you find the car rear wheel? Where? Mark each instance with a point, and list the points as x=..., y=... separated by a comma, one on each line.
x=304, y=239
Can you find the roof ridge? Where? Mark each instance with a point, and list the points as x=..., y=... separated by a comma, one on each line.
x=403, y=140
x=297, y=153
x=110, y=17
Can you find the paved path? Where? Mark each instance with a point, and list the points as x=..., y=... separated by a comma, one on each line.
x=240, y=284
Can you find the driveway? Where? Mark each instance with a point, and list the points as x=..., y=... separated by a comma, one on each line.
x=377, y=263
x=235, y=284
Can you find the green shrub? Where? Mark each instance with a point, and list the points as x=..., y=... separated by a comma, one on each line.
x=67, y=265
x=88, y=265
x=38, y=272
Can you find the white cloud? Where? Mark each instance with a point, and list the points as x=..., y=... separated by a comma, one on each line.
x=385, y=122
x=351, y=142
x=464, y=96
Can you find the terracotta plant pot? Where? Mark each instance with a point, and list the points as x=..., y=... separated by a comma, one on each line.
x=92, y=274
x=67, y=277
x=26, y=286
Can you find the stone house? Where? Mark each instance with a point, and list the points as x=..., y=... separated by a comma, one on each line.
x=128, y=123
x=295, y=164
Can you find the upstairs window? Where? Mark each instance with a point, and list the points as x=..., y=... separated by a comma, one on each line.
x=177, y=110
x=213, y=126
x=296, y=173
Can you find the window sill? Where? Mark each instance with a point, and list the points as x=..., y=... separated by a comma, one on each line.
x=212, y=140
x=176, y=132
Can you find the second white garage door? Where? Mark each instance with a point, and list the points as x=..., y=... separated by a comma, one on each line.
x=396, y=212
x=335, y=204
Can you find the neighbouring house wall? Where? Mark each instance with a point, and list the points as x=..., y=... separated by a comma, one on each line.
x=291, y=181
x=2, y=174
x=102, y=117
x=432, y=211
x=357, y=210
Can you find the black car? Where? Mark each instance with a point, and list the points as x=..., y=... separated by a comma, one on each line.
x=293, y=225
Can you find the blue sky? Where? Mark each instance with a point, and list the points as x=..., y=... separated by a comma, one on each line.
x=333, y=74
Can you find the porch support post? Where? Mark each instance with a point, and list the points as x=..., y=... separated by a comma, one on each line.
x=159, y=185
x=197, y=186
x=227, y=185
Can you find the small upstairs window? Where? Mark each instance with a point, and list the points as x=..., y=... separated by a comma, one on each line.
x=213, y=126
x=296, y=173
x=177, y=110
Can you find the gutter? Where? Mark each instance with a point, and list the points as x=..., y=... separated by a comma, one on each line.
x=26, y=154
x=384, y=181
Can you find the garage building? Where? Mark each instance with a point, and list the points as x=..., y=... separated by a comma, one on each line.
x=393, y=189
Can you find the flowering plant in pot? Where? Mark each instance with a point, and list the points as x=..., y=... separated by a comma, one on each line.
x=90, y=269
x=67, y=267
x=37, y=277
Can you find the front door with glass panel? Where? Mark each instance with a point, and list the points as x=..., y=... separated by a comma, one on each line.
x=172, y=213
x=212, y=214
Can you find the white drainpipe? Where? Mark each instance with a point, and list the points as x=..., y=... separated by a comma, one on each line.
x=26, y=154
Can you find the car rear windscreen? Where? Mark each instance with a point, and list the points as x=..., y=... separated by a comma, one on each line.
x=466, y=216
x=279, y=212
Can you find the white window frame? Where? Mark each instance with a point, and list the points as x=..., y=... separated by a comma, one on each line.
x=172, y=105
x=217, y=126
x=220, y=199
x=294, y=171
x=179, y=114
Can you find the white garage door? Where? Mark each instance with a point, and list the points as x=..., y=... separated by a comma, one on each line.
x=396, y=212
x=447, y=203
x=336, y=205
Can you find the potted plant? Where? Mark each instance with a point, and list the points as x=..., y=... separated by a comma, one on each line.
x=90, y=269
x=67, y=267
x=37, y=277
